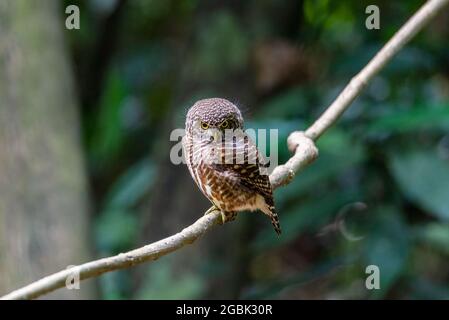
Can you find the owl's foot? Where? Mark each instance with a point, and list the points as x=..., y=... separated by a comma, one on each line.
x=228, y=216
x=211, y=209
x=225, y=216
x=215, y=208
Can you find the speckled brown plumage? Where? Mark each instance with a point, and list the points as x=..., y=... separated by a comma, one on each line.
x=224, y=162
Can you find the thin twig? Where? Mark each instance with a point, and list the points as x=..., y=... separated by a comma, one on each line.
x=301, y=144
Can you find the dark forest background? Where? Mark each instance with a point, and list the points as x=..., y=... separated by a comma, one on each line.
x=378, y=193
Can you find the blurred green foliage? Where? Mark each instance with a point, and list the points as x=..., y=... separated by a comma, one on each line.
x=390, y=151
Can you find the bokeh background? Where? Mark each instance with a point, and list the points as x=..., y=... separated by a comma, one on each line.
x=85, y=172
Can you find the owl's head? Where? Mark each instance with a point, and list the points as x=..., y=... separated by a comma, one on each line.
x=214, y=113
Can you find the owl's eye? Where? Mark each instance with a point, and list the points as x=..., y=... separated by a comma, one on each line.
x=204, y=126
x=224, y=124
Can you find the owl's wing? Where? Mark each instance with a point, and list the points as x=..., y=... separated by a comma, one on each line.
x=248, y=174
x=242, y=162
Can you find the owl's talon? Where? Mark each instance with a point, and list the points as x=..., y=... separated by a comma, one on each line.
x=210, y=210
x=223, y=217
x=228, y=216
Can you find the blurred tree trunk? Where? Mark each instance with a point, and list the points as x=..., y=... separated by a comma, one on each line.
x=43, y=199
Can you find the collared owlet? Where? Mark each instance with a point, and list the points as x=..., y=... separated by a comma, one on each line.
x=225, y=162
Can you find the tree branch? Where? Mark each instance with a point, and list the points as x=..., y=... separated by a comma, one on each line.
x=300, y=143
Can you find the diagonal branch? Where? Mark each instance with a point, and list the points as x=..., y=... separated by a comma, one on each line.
x=300, y=143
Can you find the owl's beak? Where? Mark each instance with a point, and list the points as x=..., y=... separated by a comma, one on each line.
x=214, y=134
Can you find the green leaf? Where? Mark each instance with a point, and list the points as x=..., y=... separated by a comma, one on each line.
x=164, y=282
x=428, y=117
x=106, y=134
x=316, y=11
x=131, y=186
x=425, y=289
x=115, y=230
x=387, y=247
x=436, y=235
x=424, y=179
x=272, y=289
x=222, y=46
x=286, y=105
x=338, y=151
x=310, y=215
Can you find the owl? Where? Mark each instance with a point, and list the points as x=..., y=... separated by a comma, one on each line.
x=225, y=163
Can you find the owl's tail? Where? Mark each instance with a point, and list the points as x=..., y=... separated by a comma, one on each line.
x=275, y=221
x=270, y=211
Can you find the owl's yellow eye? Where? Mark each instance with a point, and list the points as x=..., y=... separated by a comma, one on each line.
x=204, y=126
x=224, y=124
